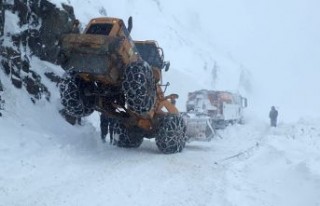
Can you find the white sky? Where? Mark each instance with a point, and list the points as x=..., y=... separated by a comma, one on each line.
x=278, y=41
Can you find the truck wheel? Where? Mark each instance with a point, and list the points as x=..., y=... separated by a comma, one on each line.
x=127, y=138
x=171, y=138
x=139, y=87
x=72, y=97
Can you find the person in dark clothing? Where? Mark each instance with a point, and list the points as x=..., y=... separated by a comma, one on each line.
x=273, y=115
x=106, y=126
x=111, y=126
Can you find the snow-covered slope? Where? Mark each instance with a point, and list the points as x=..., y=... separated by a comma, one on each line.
x=46, y=161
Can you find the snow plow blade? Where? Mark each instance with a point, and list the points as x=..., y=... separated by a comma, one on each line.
x=199, y=128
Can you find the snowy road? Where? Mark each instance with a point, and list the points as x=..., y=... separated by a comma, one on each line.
x=70, y=166
x=46, y=161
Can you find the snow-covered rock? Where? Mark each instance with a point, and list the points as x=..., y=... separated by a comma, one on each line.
x=31, y=28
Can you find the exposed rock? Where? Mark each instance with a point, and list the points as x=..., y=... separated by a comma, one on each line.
x=53, y=77
x=44, y=25
x=36, y=88
x=1, y=18
x=1, y=100
x=1, y=86
x=16, y=82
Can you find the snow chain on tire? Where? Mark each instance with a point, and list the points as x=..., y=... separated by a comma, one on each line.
x=139, y=87
x=171, y=138
x=128, y=138
x=73, y=100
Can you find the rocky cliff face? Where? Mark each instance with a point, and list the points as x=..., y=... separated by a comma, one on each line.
x=1, y=18
x=42, y=25
x=1, y=35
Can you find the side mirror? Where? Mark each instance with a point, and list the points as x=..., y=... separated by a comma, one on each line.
x=166, y=66
x=130, y=24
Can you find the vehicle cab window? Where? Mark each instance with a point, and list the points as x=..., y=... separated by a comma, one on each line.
x=100, y=29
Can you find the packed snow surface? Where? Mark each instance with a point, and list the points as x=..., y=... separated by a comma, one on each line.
x=46, y=161
x=266, y=51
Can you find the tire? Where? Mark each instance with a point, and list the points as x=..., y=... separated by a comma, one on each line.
x=127, y=138
x=72, y=98
x=139, y=87
x=171, y=135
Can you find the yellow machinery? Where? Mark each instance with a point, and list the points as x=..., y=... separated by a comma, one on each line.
x=107, y=71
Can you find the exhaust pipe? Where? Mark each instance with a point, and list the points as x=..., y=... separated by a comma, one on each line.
x=130, y=24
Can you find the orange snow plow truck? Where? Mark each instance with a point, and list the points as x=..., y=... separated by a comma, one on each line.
x=208, y=110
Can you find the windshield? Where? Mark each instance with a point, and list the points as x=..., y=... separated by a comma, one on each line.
x=102, y=29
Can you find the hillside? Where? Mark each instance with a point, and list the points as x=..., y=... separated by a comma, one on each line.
x=46, y=161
